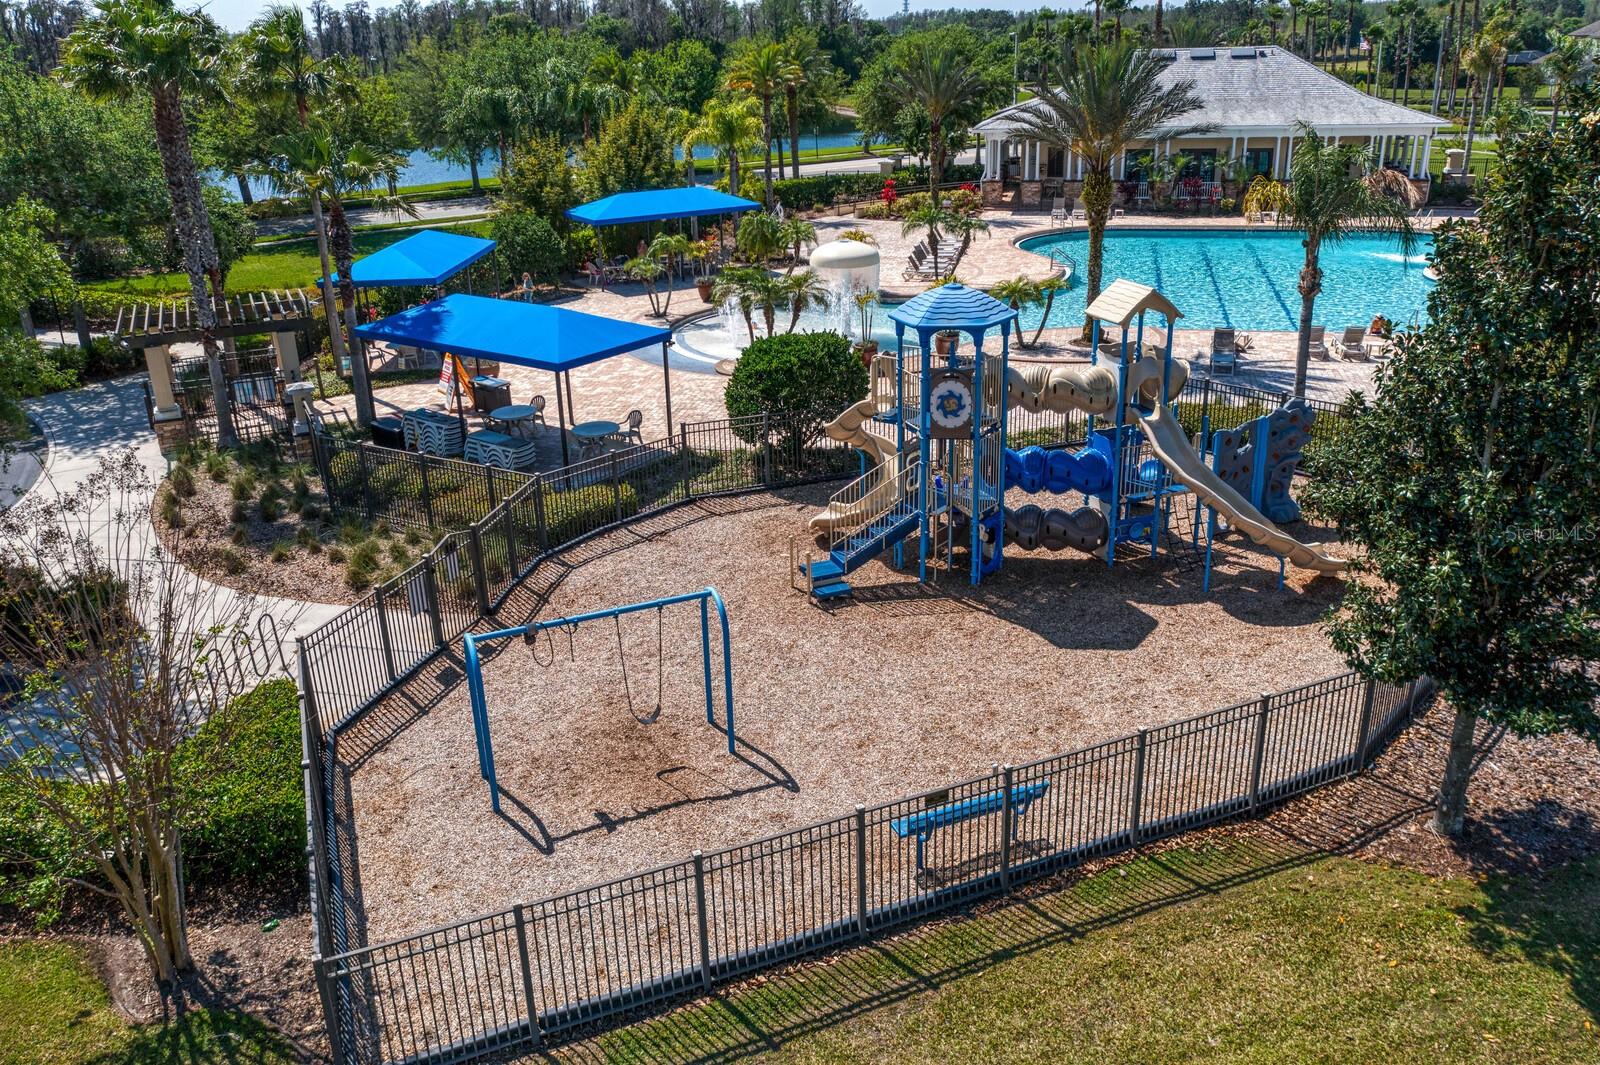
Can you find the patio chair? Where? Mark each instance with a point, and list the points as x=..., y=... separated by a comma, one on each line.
x=1252, y=218
x=1058, y=209
x=1224, y=352
x=1141, y=195
x=1353, y=345
x=1319, y=343
x=537, y=403
x=632, y=428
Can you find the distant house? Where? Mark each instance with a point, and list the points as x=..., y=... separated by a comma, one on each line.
x=1255, y=97
x=1591, y=31
x=1525, y=58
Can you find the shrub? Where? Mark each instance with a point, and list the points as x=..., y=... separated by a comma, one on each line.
x=336, y=554
x=569, y=515
x=240, y=512
x=310, y=512
x=271, y=504
x=216, y=466
x=363, y=564
x=232, y=562
x=243, y=486
x=171, y=511
x=182, y=481
x=282, y=551
x=529, y=244
x=244, y=769
x=803, y=378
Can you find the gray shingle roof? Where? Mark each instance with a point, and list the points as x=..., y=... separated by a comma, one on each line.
x=1261, y=87
x=1591, y=31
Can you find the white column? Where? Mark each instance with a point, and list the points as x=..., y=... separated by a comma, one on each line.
x=1427, y=155
x=158, y=362
x=1277, y=157
x=288, y=352
x=1288, y=154
x=1033, y=160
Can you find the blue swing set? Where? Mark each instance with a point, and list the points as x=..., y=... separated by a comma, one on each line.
x=706, y=597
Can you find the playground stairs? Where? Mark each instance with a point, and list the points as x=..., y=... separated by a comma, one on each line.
x=851, y=549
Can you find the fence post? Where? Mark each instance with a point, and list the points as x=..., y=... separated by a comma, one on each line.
x=488, y=477
x=1259, y=751
x=527, y=973
x=330, y=1010
x=1135, y=807
x=538, y=512
x=383, y=632
x=616, y=487
x=701, y=919
x=1364, y=731
x=766, y=448
x=511, y=540
x=683, y=459
x=480, y=575
x=430, y=590
x=366, y=482
x=1008, y=821
x=862, y=931
x=427, y=490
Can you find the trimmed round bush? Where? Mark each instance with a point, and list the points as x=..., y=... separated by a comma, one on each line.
x=801, y=379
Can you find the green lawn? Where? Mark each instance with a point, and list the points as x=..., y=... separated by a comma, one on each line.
x=1213, y=954
x=53, y=1008
x=282, y=264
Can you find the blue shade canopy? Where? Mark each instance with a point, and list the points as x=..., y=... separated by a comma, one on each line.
x=427, y=257
x=525, y=334
x=658, y=204
x=952, y=306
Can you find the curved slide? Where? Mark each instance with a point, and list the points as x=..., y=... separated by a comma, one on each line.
x=1175, y=452
x=850, y=427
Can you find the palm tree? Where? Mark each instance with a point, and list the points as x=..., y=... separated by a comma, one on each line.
x=931, y=217
x=279, y=61
x=965, y=226
x=1014, y=292
x=137, y=48
x=646, y=270
x=1049, y=287
x=763, y=72
x=947, y=84
x=674, y=248
x=737, y=284
x=313, y=164
x=1565, y=66
x=1102, y=99
x=1335, y=189
x=731, y=126
x=1117, y=9
x=796, y=234
x=808, y=67
x=802, y=290
x=1482, y=59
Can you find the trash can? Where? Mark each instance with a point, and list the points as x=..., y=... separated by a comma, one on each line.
x=388, y=432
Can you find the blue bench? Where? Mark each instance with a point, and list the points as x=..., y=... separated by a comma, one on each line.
x=924, y=824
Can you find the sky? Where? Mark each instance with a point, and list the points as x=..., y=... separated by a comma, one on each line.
x=237, y=14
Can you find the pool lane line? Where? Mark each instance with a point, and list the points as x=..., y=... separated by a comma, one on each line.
x=1261, y=268
x=1216, y=287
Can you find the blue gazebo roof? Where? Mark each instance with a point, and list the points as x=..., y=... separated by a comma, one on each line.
x=427, y=257
x=525, y=334
x=952, y=306
x=655, y=205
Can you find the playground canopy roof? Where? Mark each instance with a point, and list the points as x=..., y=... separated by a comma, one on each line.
x=427, y=257
x=525, y=334
x=1123, y=300
x=656, y=205
x=952, y=306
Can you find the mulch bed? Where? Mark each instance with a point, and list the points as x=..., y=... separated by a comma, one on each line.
x=902, y=690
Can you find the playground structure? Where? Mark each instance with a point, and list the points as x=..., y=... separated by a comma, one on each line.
x=706, y=597
x=933, y=432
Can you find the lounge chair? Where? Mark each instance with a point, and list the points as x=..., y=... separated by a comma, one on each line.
x=1353, y=345
x=1319, y=342
x=1224, y=352
x=1058, y=209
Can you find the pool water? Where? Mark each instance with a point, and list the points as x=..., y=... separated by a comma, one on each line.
x=1247, y=279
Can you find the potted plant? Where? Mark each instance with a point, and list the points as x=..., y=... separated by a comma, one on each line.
x=700, y=254
x=866, y=347
x=944, y=341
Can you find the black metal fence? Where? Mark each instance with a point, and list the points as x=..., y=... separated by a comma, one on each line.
x=519, y=976
x=515, y=977
x=505, y=523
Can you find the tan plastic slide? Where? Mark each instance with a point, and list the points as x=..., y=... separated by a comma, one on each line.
x=1175, y=452
x=850, y=427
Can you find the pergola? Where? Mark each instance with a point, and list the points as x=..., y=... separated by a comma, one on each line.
x=535, y=335
x=155, y=326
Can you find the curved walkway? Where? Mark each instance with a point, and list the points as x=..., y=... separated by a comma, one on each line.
x=86, y=425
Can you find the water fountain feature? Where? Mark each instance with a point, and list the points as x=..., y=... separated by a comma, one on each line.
x=846, y=268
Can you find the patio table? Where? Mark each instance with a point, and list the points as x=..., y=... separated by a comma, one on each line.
x=516, y=415
x=595, y=430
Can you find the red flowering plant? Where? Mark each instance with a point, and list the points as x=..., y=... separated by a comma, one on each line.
x=888, y=195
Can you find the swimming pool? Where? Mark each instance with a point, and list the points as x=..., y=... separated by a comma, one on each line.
x=1247, y=279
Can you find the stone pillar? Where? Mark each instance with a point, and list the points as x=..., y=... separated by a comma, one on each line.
x=1032, y=193
x=159, y=363
x=288, y=350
